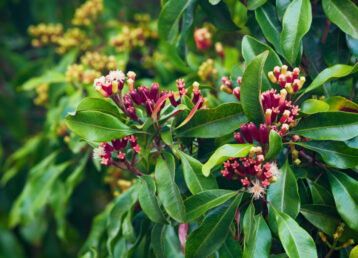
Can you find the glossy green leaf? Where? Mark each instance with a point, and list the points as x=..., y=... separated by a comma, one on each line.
x=250, y=91
x=196, y=205
x=122, y=205
x=336, y=154
x=97, y=126
x=344, y=14
x=212, y=232
x=295, y=24
x=335, y=126
x=214, y=2
x=48, y=77
x=320, y=195
x=148, y=200
x=230, y=249
x=251, y=48
x=158, y=240
x=215, y=122
x=100, y=105
x=338, y=103
x=127, y=227
x=353, y=143
x=225, y=152
x=219, y=15
x=194, y=178
x=281, y=6
x=344, y=189
x=312, y=106
x=352, y=44
x=169, y=17
x=253, y=4
x=275, y=145
x=331, y=73
x=270, y=25
x=168, y=191
x=258, y=241
x=283, y=194
x=295, y=240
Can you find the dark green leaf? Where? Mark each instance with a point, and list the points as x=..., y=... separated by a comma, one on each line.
x=331, y=73
x=295, y=240
x=219, y=15
x=197, y=205
x=157, y=240
x=251, y=48
x=148, y=200
x=100, y=105
x=253, y=4
x=336, y=154
x=275, y=145
x=97, y=126
x=215, y=122
x=168, y=21
x=352, y=45
x=225, y=152
x=230, y=249
x=312, y=106
x=335, y=126
x=213, y=231
x=344, y=14
x=194, y=178
x=320, y=195
x=295, y=24
x=168, y=191
x=250, y=92
x=344, y=189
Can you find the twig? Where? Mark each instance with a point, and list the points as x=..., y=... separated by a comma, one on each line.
x=325, y=31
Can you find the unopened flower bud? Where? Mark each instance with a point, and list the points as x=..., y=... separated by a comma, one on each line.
x=282, y=81
x=272, y=77
x=302, y=81
x=283, y=94
x=154, y=92
x=284, y=69
x=239, y=138
x=296, y=138
x=322, y=236
x=348, y=243
x=289, y=88
x=130, y=83
x=253, y=131
x=277, y=71
x=239, y=80
x=268, y=114
x=285, y=115
x=236, y=92
x=296, y=85
x=132, y=113
x=297, y=162
x=131, y=75
x=135, y=96
x=246, y=133
x=263, y=134
x=295, y=73
x=225, y=89
x=149, y=106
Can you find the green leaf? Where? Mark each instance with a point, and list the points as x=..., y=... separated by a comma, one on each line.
x=122, y=205
x=258, y=240
x=275, y=145
x=194, y=178
x=196, y=205
x=331, y=73
x=353, y=143
x=352, y=45
x=168, y=191
x=253, y=4
x=225, y=152
x=251, y=48
x=100, y=105
x=148, y=200
x=283, y=194
x=158, y=240
x=215, y=122
x=250, y=91
x=295, y=240
x=335, y=126
x=212, y=232
x=230, y=249
x=295, y=24
x=127, y=227
x=219, y=15
x=312, y=106
x=338, y=103
x=169, y=17
x=214, y=2
x=320, y=195
x=270, y=25
x=48, y=77
x=344, y=14
x=336, y=154
x=97, y=126
x=281, y=6
x=344, y=189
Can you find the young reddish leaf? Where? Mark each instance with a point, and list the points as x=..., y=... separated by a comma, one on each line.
x=191, y=114
x=183, y=235
x=159, y=103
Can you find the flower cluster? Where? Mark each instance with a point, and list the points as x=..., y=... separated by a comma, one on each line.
x=286, y=79
x=42, y=94
x=45, y=34
x=73, y=37
x=207, y=71
x=202, y=38
x=130, y=38
x=109, y=153
x=77, y=73
x=252, y=172
x=98, y=61
x=112, y=85
x=87, y=13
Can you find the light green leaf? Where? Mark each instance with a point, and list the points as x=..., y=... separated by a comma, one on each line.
x=47, y=77
x=275, y=145
x=312, y=106
x=295, y=24
x=225, y=152
x=250, y=92
x=253, y=4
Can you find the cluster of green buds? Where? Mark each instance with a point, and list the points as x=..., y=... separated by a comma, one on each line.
x=207, y=71
x=45, y=34
x=336, y=236
x=42, y=94
x=73, y=37
x=99, y=62
x=132, y=37
x=88, y=13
